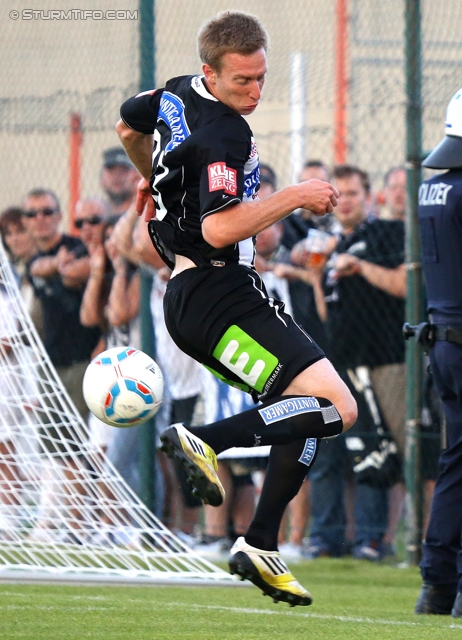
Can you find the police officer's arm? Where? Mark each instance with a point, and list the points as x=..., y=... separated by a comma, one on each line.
x=392, y=281
x=246, y=219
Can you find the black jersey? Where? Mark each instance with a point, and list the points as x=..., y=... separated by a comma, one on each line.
x=440, y=224
x=204, y=160
x=364, y=323
x=66, y=340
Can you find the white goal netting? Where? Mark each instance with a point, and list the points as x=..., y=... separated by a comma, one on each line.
x=65, y=513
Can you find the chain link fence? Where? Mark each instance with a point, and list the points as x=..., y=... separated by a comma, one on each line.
x=335, y=89
x=59, y=61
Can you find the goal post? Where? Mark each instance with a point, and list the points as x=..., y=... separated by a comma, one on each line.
x=65, y=512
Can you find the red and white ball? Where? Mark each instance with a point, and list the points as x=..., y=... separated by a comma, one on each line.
x=123, y=387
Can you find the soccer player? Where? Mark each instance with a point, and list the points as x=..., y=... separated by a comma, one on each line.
x=200, y=163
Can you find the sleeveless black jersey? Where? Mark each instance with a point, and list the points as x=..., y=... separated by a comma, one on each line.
x=204, y=159
x=440, y=225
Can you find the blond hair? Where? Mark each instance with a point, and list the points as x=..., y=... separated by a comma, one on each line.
x=230, y=32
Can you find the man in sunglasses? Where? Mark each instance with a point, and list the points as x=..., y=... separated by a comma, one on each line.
x=59, y=289
x=90, y=216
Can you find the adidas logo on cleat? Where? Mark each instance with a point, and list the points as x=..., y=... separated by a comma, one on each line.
x=196, y=446
x=268, y=571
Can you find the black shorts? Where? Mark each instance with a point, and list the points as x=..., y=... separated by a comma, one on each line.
x=223, y=317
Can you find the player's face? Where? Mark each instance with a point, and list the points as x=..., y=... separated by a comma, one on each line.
x=352, y=202
x=239, y=82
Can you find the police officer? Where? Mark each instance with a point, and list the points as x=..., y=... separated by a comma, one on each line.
x=440, y=222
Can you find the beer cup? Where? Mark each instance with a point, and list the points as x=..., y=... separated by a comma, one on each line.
x=315, y=247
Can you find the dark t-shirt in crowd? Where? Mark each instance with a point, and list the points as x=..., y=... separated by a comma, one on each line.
x=66, y=340
x=364, y=325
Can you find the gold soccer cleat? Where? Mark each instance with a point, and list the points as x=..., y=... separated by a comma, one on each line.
x=269, y=572
x=198, y=461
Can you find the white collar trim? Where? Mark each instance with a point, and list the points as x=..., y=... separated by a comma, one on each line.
x=197, y=83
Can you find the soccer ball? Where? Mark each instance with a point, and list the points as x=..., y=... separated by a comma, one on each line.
x=123, y=387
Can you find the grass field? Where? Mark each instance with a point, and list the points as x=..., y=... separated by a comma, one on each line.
x=352, y=601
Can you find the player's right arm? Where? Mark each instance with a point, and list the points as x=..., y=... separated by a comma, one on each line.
x=246, y=219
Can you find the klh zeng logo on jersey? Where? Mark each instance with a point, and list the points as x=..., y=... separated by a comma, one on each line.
x=223, y=178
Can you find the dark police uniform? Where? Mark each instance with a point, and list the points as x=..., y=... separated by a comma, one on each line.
x=205, y=159
x=440, y=222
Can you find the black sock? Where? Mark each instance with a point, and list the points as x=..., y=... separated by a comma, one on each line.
x=284, y=477
x=278, y=421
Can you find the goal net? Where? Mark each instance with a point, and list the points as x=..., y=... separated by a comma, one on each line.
x=65, y=513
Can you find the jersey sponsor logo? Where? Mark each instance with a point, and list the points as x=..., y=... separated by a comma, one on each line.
x=308, y=451
x=251, y=181
x=272, y=378
x=288, y=408
x=251, y=174
x=223, y=178
x=245, y=357
x=436, y=193
x=171, y=111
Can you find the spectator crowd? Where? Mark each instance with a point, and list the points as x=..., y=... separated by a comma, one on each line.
x=343, y=278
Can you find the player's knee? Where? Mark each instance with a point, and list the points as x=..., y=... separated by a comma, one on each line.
x=348, y=411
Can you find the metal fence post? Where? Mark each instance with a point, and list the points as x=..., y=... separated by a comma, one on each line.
x=148, y=431
x=413, y=471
